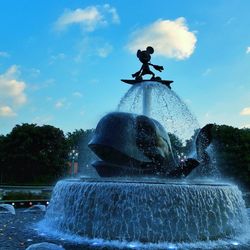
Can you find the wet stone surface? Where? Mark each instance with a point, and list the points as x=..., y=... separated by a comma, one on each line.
x=17, y=232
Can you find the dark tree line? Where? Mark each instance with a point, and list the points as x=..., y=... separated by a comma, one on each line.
x=231, y=152
x=34, y=154
x=232, y=148
x=79, y=140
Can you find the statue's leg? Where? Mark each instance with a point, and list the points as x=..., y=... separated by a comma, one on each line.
x=153, y=75
x=136, y=74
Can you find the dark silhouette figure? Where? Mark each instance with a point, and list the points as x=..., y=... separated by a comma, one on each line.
x=145, y=56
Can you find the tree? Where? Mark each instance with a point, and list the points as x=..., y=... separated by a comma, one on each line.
x=34, y=154
x=2, y=140
x=182, y=148
x=232, y=147
x=79, y=140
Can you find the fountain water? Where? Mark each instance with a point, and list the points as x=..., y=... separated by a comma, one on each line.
x=35, y=208
x=140, y=205
x=147, y=211
x=9, y=208
x=147, y=94
x=157, y=101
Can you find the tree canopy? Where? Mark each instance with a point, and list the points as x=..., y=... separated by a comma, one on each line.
x=232, y=149
x=79, y=140
x=230, y=153
x=39, y=154
x=33, y=154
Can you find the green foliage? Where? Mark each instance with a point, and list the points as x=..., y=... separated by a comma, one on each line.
x=79, y=140
x=33, y=154
x=2, y=155
x=175, y=141
x=233, y=153
x=182, y=148
x=25, y=196
x=38, y=155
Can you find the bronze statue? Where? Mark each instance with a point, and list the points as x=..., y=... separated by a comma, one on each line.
x=145, y=56
x=136, y=145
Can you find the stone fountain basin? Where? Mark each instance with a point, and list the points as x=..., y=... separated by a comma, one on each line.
x=146, y=210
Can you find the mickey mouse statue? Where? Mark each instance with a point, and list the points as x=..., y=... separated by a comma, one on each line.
x=145, y=56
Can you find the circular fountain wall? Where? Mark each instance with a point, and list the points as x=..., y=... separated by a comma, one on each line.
x=146, y=211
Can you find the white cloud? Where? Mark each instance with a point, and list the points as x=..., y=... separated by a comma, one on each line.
x=45, y=84
x=113, y=12
x=89, y=47
x=77, y=94
x=59, y=104
x=171, y=39
x=34, y=72
x=207, y=72
x=58, y=57
x=245, y=111
x=105, y=50
x=248, y=50
x=230, y=20
x=62, y=103
x=42, y=120
x=89, y=18
x=82, y=49
x=12, y=89
x=245, y=126
x=4, y=54
x=6, y=111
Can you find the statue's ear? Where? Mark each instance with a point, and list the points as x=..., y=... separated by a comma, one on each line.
x=150, y=50
x=138, y=53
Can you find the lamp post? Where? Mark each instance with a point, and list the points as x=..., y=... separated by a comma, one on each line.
x=73, y=155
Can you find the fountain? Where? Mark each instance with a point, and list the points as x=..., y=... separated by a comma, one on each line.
x=142, y=195
x=36, y=208
x=8, y=208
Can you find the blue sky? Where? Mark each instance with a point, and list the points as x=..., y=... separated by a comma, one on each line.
x=61, y=61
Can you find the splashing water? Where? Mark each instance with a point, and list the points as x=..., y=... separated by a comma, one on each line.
x=35, y=208
x=8, y=207
x=164, y=105
x=147, y=212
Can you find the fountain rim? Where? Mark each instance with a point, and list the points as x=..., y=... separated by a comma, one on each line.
x=150, y=181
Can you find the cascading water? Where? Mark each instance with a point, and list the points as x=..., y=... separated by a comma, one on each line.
x=8, y=207
x=147, y=212
x=162, y=104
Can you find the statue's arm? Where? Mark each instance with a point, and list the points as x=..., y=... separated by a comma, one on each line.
x=157, y=67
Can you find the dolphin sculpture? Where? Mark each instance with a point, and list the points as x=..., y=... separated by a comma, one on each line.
x=130, y=145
